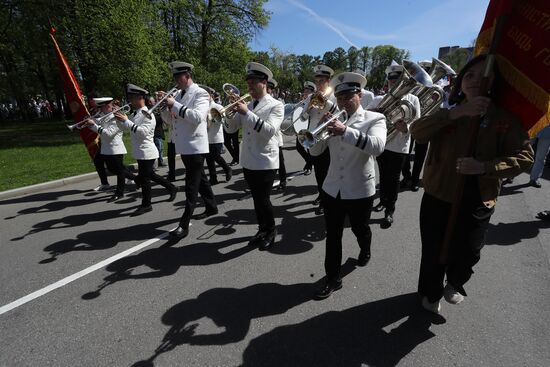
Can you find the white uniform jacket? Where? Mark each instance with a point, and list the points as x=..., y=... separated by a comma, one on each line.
x=189, y=128
x=401, y=141
x=260, y=146
x=215, y=129
x=111, y=135
x=367, y=98
x=142, y=131
x=351, y=172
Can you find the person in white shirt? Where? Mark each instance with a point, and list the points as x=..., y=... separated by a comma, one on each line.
x=271, y=85
x=261, y=120
x=215, y=143
x=191, y=105
x=142, y=130
x=349, y=187
x=309, y=89
x=390, y=162
x=112, y=146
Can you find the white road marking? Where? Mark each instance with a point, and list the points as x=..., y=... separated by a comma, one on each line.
x=80, y=274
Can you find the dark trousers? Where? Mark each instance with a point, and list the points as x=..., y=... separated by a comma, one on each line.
x=282, y=168
x=419, y=156
x=336, y=209
x=321, y=164
x=305, y=155
x=171, y=154
x=231, y=142
x=213, y=157
x=146, y=174
x=389, y=166
x=470, y=229
x=195, y=184
x=260, y=183
x=99, y=163
x=115, y=164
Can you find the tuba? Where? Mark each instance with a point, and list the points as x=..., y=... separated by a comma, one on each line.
x=233, y=94
x=393, y=106
x=431, y=97
x=320, y=133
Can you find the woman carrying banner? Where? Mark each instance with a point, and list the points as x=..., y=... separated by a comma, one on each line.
x=502, y=151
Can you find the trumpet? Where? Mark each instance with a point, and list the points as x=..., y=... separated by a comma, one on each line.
x=160, y=103
x=234, y=95
x=82, y=124
x=300, y=113
x=124, y=109
x=310, y=138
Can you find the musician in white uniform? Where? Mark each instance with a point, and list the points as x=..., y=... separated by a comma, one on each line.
x=261, y=120
x=367, y=96
x=142, y=130
x=391, y=161
x=191, y=105
x=322, y=74
x=349, y=186
x=112, y=146
x=309, y=89
x=215, y=143
x=271, y=85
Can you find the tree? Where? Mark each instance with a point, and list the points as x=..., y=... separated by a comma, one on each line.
x=457, y=58
x=381, y=57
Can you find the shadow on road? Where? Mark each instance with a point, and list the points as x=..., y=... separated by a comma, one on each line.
x=506, y=234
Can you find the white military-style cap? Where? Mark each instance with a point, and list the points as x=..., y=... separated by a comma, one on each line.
x=323, y=70
x=272, y=83
x=310, y=85
x=258, y=71
x=210, y=90
x=134, y=89
x=348, y=82
x=102, y=101
x=178, y=67
x=394, y=70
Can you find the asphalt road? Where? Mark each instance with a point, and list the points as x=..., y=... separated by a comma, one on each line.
x=209, y=300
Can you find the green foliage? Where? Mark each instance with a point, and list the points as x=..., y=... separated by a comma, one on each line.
x=457, y=58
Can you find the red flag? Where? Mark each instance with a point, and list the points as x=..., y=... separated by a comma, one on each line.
x=75, y=100
x=523, y=57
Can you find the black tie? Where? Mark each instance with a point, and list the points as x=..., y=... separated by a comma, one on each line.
x=182, y=93
x=255, y=103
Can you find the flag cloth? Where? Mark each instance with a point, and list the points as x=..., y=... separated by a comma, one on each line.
x=75, y=100
x=523, y=57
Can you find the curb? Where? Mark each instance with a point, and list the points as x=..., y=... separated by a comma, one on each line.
x=46, y=185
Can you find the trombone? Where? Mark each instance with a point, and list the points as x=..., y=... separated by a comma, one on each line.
x=160, y=102
x=310, y=138
x=233, y=94
x=82, y=124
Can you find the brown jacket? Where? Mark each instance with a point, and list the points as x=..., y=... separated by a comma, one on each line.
x=502, y=145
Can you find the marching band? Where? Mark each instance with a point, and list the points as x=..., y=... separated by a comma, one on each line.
x=341, y=130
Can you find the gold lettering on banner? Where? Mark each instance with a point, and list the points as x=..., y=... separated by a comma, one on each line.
x=545, y=59
x=538, y=17
x=521, y=39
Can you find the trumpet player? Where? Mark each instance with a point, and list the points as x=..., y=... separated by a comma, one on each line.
x=112, y=146
x=191, y=106
x=261, y=120
x=215, y=143
x=142, y=129
x=390, y=162
x=349, y=186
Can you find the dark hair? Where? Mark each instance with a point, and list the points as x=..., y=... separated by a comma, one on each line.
x=456, y=96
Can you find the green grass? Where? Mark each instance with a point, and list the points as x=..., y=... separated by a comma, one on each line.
x=41, y=151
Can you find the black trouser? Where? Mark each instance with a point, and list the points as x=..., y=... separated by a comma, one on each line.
x=260, y=183
x=171, y=160
x=99, y=163
x=231, y=142
x=468, y=240
x=304, y=153
x=195, y=184
x=389, y=166
x=336, y=209
x=213, y=157
x=115, y=164
x=419, y=156
x=282, y=168
x=146, y=174
x=321, y=164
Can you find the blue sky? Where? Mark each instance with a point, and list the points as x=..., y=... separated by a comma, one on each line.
x=420, y=26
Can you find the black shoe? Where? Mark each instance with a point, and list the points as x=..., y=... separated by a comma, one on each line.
x=205, y=215
x=115, y=197
x=319, y=210
x=404, y=183
x=535, y=184
x=415, y=187
x=379, y=207
x=508, y=181
x=228, y=175
x=173, y=193
x=317, y=201
x=142, y=210
x=328, y=288
x=234, y=163
x=307, y=171
x=255, y=240
x=387, y=221
x=364, y=257
x=267, y=241
x=179, y=233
